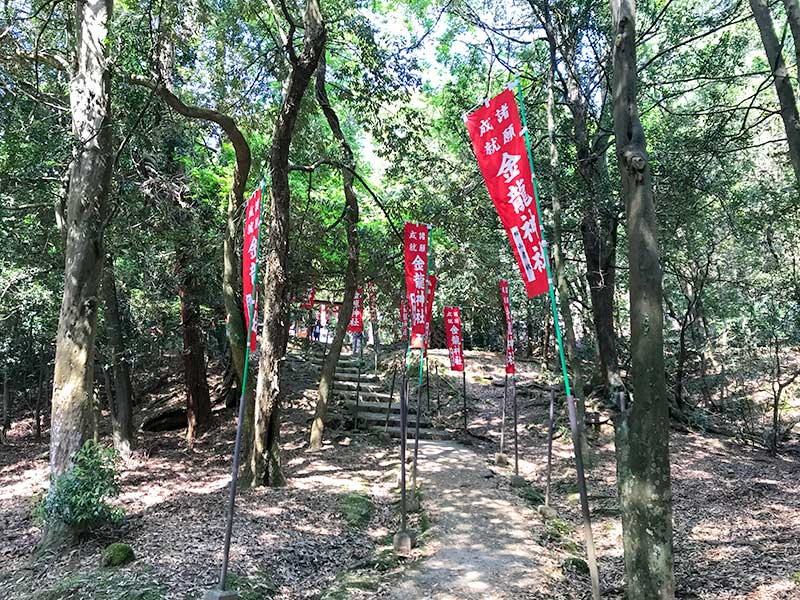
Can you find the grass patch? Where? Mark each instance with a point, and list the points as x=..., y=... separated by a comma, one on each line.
x=103, y=584
x=257, y=586
x=530, y=494
x=357, y=509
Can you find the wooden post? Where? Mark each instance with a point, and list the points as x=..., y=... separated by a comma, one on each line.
x=438, y=398
x=464, y=389
x=389, y=405
x=550, y=426
x=403, y=435
x=503, y=417
x=516, y=442
x=587, y=524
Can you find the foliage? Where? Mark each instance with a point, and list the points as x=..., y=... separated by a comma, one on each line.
x=78, y=498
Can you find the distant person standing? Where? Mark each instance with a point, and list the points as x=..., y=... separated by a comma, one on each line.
x=356, y=342
x=316, y=331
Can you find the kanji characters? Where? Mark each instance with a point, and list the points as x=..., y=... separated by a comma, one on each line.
x=486, y=126
x=502, y=113
x=508, y=134
x=518, y=197
x=509, y=169
x=491, y=146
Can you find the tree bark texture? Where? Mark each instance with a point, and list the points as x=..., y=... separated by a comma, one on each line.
x=325, y=390
x=793, y=16
x=558, y=257
x=121, y=402
x=198, y=401
x=86, y=214
x=645, y=487
x=265, y=455
x=783, y=85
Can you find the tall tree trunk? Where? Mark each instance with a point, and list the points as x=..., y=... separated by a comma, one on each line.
x=198, y=402
x=644, y=471
x=558, y=255
x=90, y=101
x=783, y=85
x=265, y=455
x=793, y=16
x=351, y=272
x=6, y=423
x=122, y=401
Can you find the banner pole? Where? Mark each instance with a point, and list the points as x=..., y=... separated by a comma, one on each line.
x=422, y=353
x=237, y=447
x=590, y=550
x=503, y=412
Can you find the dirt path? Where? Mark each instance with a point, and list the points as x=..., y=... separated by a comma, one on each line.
x=484, y=541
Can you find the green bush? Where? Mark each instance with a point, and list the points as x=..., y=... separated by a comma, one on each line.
x=78, y=498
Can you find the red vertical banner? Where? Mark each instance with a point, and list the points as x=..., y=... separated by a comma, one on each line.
x=429, y=307
x=403, y=319
x=308, y=301
x=323, y=314
x=510, y=369
x=452, y=328
x=252, y=228
x=356, y=324
x=499, y=143
x=415, y=252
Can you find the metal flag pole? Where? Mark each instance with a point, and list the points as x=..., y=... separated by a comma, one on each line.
x=421, y=365
x=503, y=412
x=587, y=525
x=237, y=448
x=510, y=331
x=550, y=426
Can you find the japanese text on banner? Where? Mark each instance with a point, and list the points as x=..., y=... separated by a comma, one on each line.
x=415, y=252
x=356, y=324
x=452, y=328
x=499, y=143
x=252, y=226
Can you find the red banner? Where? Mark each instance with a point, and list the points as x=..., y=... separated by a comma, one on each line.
x=309, y=299
x=356, y=324
x=499, y=143
x=403, y=319
x=252, y=228
x=416, y=262
x=510, y=369
x=452, y=328
x=429, y=306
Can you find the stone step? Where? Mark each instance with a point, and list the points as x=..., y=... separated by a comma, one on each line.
x=353, y=385
x=377, y=406
x=351, y=395
x=380, y=418
x=424, y=434
x=365, y=377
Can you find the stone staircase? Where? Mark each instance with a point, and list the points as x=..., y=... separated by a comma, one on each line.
x=369, y=400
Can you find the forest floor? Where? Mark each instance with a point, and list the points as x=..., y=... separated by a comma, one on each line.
x=327, y=534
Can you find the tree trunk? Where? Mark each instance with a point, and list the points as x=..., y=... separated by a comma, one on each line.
x=6, y=424
x=793, y=16
x=198, y=402
x=558, y=257
x=645, y=488
x=351, y=272
x=122, y=401
x=90, y=101
x=783, y=85
x=265, y=455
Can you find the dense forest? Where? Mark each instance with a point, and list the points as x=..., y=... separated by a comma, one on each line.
x=665, y=142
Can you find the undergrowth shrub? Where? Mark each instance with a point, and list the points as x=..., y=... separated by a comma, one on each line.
x=78, y=498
